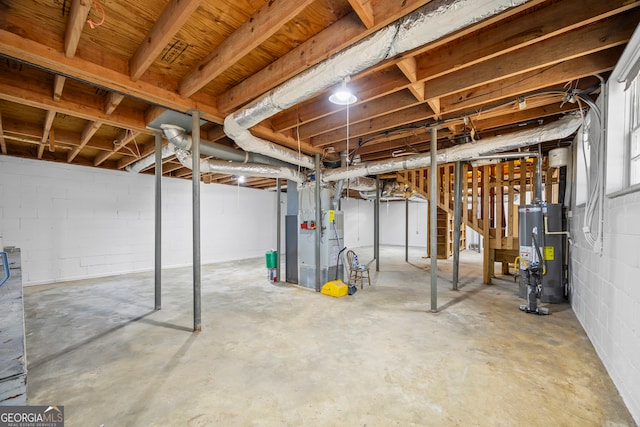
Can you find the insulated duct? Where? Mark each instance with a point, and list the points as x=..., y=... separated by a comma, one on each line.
x=246, y=169
x=436, y=19
x=179, y=137
x=145, y=162
x=361, y=184
x=559, y=129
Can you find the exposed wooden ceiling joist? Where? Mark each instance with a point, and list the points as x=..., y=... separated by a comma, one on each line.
x=89, y=93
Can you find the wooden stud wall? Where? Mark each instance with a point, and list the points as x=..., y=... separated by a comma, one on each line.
x=491, y=196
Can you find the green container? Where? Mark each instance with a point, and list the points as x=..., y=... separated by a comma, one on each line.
x=272, y=259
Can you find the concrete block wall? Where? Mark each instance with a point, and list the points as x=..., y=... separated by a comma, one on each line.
x=392, y=223
x=358, y=222
x=74, y=222
x=605, y=293
x=359, y=217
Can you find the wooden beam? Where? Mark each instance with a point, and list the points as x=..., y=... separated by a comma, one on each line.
x=417, y=89
x=111, y=102
x=36, y=94
x=40, y=151
x=126, y=161
x=77, y=18
x=58, y=85
x=510, y=210
x=409, y=68
x=48, y=122
x=24, y=49
x=486, y=250
x=262, y=25
x=367, y=88
x=397, y=118
x=33, y=131
x=332, y=39
x=474, y=197
x=3, y=145
x=532, y=27
x=539, y=56
x=364, y=10
x=574, y=69
x=358, y=113
x=50, y=133
x=499, y=192
x=89, y=130
x=341, y=34
x=173, y=17
x=434, y=103
x=52, y=141
x=123, y=139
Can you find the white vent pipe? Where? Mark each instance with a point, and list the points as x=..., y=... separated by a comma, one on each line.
x=559, y=129
x=245, y=169
x=436, y=19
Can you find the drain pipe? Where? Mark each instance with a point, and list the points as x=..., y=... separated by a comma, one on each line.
x=559, y=129
x=246, y=169
x=426, y=24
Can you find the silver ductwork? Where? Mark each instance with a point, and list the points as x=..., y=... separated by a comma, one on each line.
x=251, y=143
x=181, y=139
x=245, y=169
x=361, y=183
x=427, y=24
x=559, y=129
x=394, y=191
x=145, y=162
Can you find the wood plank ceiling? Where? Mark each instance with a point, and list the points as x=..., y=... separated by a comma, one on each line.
x=80, y=80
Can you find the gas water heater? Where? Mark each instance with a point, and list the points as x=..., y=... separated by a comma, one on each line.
x=541, y=225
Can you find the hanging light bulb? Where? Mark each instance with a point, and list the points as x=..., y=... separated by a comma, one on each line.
x=240, y=179
x=343, y=96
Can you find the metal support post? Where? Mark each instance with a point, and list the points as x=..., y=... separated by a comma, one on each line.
x=158, y=222
x=433, y=220
x=539, y=197
x=195, y=178
x=318, y=229
x=278, y=227
x=376, y=225
x=457, y=219
x=406, y=230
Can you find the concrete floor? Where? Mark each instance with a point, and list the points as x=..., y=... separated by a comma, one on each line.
x=280, y=355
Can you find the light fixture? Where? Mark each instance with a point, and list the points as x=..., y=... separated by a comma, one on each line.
x=240, y=179
x=343, y=96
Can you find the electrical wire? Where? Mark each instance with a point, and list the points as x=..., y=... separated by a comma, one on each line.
x=569, y=94
x=100, y=9
x=595, y=184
